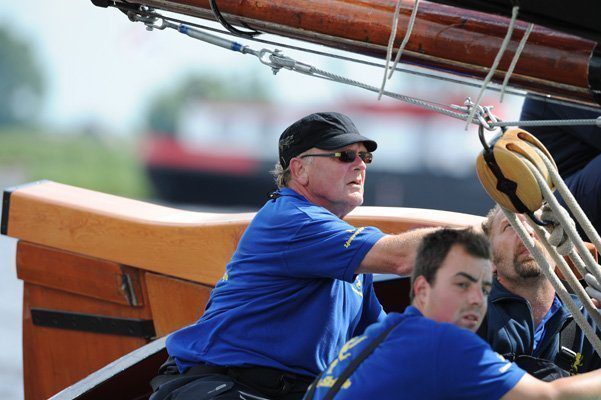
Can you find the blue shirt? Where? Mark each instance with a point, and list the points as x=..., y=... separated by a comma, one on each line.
x=289, y=298
x=540, y=330
x=509, y=329
x=421, y=359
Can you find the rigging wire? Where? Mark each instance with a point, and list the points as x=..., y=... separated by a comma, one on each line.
x=440, y=75
x=496, y=62
x=465, y=81
x=277, y=61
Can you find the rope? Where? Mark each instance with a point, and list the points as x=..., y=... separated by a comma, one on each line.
x=568, y=274
x=570, y=229
x=150, y=18
x=493, y=68
x=389, y=48
x=406, y=38
x=573, y=205
x=555, y=282
x=515, y=59
x=462, y=81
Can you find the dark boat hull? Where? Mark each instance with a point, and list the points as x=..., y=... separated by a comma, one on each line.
x=196, y=187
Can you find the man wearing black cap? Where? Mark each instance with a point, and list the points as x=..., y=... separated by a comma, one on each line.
x=295, y=290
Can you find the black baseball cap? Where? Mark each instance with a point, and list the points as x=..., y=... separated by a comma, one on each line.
x=325, y=130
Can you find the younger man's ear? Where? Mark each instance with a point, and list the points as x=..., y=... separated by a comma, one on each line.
x=420, y=289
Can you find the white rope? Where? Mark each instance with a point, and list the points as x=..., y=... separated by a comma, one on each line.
x=393, y=30
x=390, y=47
x=570, y=230
x=555, y=282
x=515, y=59
x=578, y=263
x=405, y=39
x=571, y=202
x=493, y=68
x=568, y=274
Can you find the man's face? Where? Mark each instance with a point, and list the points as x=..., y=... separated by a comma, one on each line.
x=460, y=290
x=336, y=185
x=513, y=262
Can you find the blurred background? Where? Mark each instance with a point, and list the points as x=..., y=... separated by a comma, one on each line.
x=93, y=100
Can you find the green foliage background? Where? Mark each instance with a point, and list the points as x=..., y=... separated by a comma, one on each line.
x=108, y=164
x=20, y=74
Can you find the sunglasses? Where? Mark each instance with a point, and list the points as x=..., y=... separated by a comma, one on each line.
x=347, y=156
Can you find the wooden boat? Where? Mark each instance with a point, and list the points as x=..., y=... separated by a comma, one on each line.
x=451, y=39
x=104, y=276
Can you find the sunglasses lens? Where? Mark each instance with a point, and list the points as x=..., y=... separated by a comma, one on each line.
x=347, y=156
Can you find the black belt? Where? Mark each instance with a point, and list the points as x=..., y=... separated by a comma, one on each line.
x=271, y=381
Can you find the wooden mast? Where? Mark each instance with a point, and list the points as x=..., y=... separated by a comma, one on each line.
x=444, y=38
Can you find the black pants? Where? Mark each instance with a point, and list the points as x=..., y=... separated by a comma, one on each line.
x=225, y=383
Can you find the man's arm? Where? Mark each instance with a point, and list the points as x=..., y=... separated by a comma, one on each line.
x=394, y=254
x=584, y=386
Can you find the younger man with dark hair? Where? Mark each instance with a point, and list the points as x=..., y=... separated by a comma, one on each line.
x=424, y=354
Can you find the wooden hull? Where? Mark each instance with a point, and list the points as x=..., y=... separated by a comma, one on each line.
x=104, y=276
x=444, y=38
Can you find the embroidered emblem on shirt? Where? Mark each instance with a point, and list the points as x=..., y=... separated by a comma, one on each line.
x=353, y=236
x=357, y=286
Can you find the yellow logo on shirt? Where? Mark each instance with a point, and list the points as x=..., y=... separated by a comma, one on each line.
x=357, y=286
x=505, y=367
x=329, y=380
x=357, y=231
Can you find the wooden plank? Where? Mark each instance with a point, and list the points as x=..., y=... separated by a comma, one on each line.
x=397, y=220
x=77, y=274
x=56, y=358
x=174, y=302
x=189, y=245
x=126, y=231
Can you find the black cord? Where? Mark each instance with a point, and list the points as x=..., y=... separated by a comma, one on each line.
x=235, y=31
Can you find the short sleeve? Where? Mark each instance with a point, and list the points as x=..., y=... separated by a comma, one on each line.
x=469, y=367
x=328, y=247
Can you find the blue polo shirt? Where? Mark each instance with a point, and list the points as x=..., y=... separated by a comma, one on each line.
x=421, y=359
x=289, y=298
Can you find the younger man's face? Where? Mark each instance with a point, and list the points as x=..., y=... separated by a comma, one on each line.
x=459, y=292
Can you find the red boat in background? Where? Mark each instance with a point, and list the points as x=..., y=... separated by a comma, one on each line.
x=223, y=151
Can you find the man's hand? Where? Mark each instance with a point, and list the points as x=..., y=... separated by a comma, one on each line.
x=558, y=236
x=593, y=289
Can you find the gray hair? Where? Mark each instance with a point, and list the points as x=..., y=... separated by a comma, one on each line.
x=282, y=175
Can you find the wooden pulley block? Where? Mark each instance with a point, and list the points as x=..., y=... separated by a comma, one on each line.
x=507, y=178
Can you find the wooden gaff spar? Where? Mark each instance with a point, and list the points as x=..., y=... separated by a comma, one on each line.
x=444, y=38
